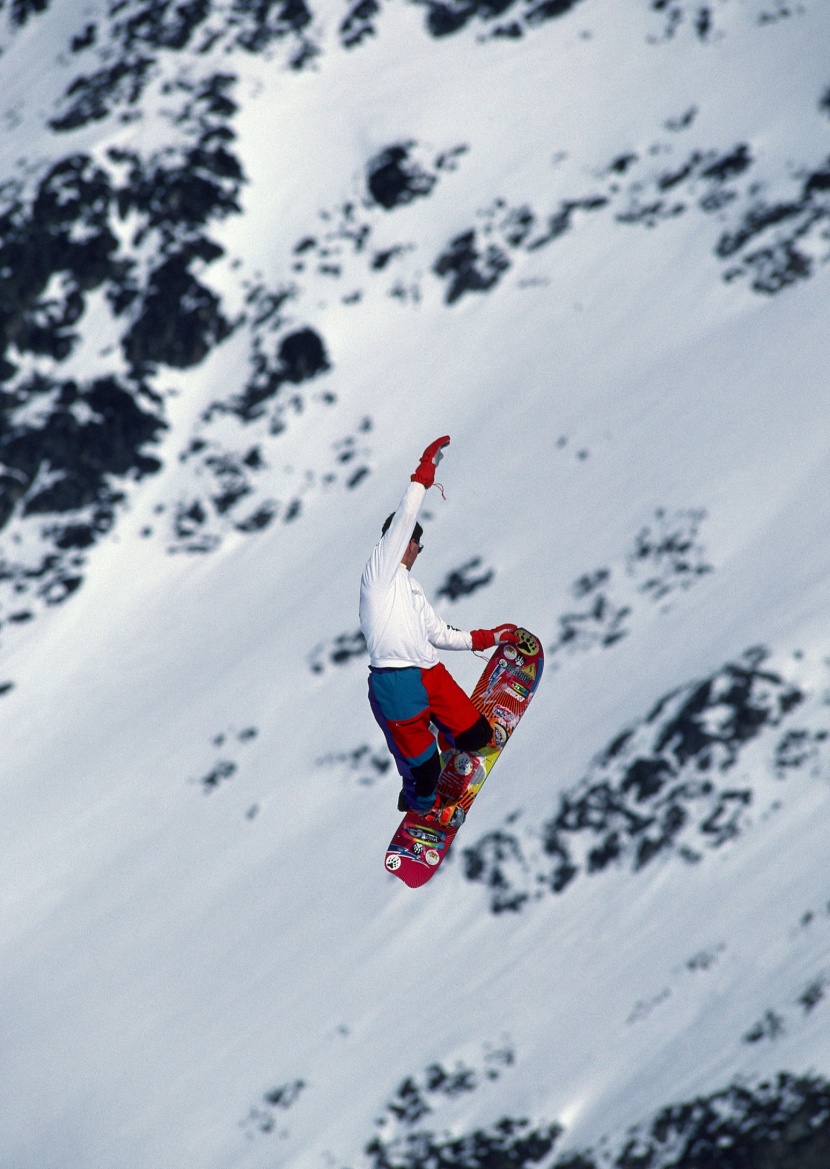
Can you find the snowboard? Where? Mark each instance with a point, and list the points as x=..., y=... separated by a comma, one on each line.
x=502, y=694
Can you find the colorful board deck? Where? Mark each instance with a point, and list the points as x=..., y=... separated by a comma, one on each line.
x=502, y=693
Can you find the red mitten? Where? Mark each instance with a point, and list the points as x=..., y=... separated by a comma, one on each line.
x=429, y=461
x=501, y=635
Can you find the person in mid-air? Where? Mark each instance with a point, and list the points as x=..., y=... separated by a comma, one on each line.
x=408, y=687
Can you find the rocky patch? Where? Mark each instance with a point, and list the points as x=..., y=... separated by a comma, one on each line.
x=264, y=1118
x=394, y=177
x=404, y=1140
x=364, y=762
x=782, y=1123
x=785, y=1017
x=686, y=779
x=667, y=556
x=705, y=22
x=234, y=483
x=360, y=23
x=773, y=242
x=779, y=242
x=223, y=767
x=418, y=1096
x=19, y=11
x=298, y=357
x=465, y=580
x=444, y=17
x=337, y=652
x=516, y=1144
x=513, y=19
x=70, y=447
x=492, y=18
x=65, y=449
x=678, y=14
x=129, y=231
x=67, y=445
x=699, y=963
x=121, y=56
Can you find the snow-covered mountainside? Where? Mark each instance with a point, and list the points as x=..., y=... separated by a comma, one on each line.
x=254, y=256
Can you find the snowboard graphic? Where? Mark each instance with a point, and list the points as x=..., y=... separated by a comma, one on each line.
x=502, y=693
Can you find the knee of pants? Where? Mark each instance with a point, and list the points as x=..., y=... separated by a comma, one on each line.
x=475, y=737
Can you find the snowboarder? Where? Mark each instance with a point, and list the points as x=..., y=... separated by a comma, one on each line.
x=409, y=688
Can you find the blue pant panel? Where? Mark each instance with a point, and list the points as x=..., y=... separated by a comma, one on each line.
x=400, y=694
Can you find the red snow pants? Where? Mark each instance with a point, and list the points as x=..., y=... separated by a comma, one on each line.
x=404, y=701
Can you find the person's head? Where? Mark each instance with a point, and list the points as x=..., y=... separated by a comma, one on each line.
x=413, y=547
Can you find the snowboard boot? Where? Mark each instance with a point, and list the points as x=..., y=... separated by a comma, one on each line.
x=430, y=814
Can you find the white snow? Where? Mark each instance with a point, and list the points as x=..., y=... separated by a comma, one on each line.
x=171, y=954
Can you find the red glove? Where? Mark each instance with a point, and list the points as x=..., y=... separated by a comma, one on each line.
x=501, y=635
x=429, y=461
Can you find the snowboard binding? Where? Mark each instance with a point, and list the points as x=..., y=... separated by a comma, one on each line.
x=450, y=815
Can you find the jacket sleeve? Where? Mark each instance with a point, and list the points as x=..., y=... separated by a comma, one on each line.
x=389, y=551
x=444, y=636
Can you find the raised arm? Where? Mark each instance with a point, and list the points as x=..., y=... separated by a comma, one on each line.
x=389, y=551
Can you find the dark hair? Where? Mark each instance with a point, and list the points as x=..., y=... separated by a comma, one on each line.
x=417, y=531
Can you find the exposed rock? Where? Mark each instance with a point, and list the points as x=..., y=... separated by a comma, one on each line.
x=661, y=787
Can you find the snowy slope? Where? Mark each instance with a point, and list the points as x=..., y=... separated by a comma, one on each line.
x=253, y=259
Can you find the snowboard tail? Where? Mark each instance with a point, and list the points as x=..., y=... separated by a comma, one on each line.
x=502, y=694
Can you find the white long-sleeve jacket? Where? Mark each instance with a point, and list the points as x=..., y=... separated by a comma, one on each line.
x=400, y=626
